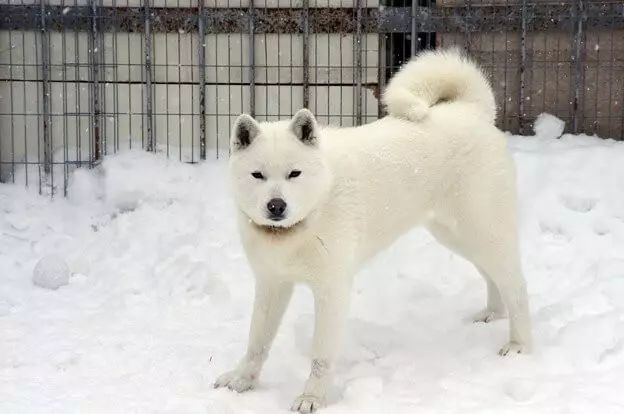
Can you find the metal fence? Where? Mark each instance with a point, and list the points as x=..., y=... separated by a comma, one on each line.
x=80, y=79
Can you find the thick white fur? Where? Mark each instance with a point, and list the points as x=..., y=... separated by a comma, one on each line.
x=359, y=190
x=438, y=76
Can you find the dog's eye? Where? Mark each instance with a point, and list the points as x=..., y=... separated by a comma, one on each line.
x=257, y=175
x=294, y=174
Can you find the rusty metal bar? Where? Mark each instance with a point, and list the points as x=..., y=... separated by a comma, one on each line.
x=151, y=146
x=202, y=82
x=523, y=57
x=252, y=58
x=358, y=62
x=101, y=87
x=12, y=117
x=306, y=53
x=95, y=144
x=381, y=74
x=66, y=166
x=577, y=58
x=414, y=33
x=465, y=28
x=45, y=89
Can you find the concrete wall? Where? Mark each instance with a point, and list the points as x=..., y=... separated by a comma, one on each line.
x=278, y=77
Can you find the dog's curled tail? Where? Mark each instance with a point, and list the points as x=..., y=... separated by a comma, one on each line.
x=438, y=76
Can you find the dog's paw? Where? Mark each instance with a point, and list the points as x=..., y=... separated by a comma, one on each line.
x=306, y=403
x=236, y=381
x=512, y=348
x=488, y=315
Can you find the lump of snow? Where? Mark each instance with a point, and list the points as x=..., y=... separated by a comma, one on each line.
x=51, y=272
x=548, y=126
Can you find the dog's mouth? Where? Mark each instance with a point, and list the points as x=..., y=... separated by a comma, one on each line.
x=278, y=230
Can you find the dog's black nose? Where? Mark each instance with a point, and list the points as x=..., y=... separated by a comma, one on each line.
x=276, y=207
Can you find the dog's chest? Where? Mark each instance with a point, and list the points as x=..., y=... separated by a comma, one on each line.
x=300, y=261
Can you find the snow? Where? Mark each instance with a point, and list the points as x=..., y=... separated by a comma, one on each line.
x=160, y=298
x=51, y=272
x=548, y=126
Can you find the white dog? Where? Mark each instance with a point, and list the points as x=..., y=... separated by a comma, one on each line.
x=315, y=203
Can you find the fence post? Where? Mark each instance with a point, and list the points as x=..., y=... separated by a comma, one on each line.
x=95, y=150
x=523, y=56
x=45, y=89
x=578, y=35
x=381, y=73
x=252, y=59
x=202, y=81
x=306, y=53
x=358, y=62
x=148, y=75
x=414, y=33
x=467, y=32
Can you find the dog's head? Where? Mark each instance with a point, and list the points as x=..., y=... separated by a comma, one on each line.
x=277, y=169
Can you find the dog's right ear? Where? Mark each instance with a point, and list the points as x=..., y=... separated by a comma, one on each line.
x=245, y=130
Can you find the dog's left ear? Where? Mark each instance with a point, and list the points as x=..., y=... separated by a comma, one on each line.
x=304, y=126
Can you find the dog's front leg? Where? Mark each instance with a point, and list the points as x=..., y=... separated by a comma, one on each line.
x=331, y=307
x=270, y=303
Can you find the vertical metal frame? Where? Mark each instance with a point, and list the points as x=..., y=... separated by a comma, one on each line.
x=202, y=79
x=358, y=62
x=45, y=90
x=150, y=145
x=578, y=42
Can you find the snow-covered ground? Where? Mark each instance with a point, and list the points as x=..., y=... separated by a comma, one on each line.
x=158, y=302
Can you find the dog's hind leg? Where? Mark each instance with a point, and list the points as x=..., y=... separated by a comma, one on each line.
x=507, y=276
x=496, y=257
x=270, y=303
x=495, y=307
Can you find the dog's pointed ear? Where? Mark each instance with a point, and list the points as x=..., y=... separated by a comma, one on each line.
x=245, y=130
x=305, y=127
